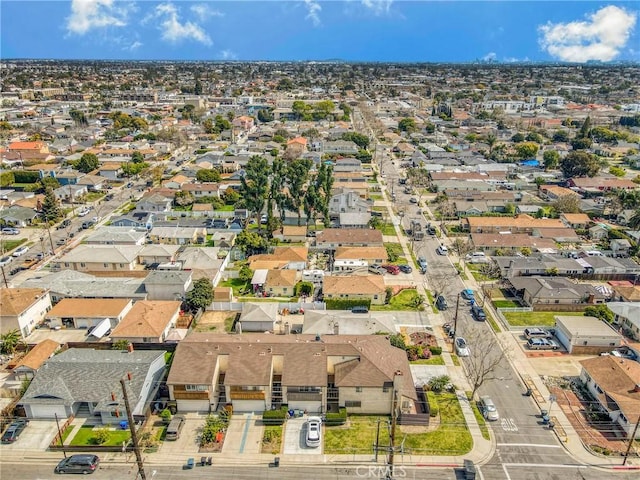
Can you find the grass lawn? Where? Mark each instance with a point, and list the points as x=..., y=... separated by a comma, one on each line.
x=494, y=325
x=452, y=437
x=357, y=436
x=236, y=284
x=431, y=301
x=228, y=323
x=67, y=432
x=402, y=301
x=388, y=229
x=479, y=418
x=86, y=434
x=11, y=244
x=375, y=196
x=505, y=304
x=434, y=360
x=272, y=439
x=455, y=360
x=394, y=249
x=531, y=319
x=226, y=208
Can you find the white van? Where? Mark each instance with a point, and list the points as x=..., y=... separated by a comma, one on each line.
x=477, y=257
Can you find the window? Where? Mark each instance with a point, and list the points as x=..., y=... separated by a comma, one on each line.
x=359, y=389
x=195, y=388
x=352, y=403
x=83, y=264
x=105, y=265
x=385, y=389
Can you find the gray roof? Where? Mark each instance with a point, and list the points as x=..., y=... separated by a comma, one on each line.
x=18, y=213
x=87, y=375
x=259, y=312
x=101, y=253
x=324, y=322
x=167, y=277
x=200, y=258
x=69, y=283
x=116, y=235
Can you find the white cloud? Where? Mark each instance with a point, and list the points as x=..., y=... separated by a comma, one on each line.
x=202, y=11
x=490, y=57
x=378, y=7
x=89, y=15
x=600, y=37
x=228, y=55
x=174, y=31
x=134, y=46
x=313, y=11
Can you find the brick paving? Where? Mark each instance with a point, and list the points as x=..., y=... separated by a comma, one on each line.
x=604, y=435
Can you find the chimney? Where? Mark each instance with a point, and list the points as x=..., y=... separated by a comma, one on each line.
x=130, y=348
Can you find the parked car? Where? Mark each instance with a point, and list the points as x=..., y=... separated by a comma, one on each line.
x=392, y=269
x=314, y=432
x=377, y=269
x=430, y=229
x=78, y=464
x=20, y=251
x=536, y=332
x=423, y=265
x=87, y=224
x=478, y=313
x=10, y=231
x=542, y=344
x=405, y=268
x=413, y=200
x=442, y=250
x=488, y=409
x=359, y=309
x=441, y=303
x=64, y=224
x=14, y=430
x=477, y=257
x=467, y=294
x=462, y=349
x=5, y=261
x=84, y=212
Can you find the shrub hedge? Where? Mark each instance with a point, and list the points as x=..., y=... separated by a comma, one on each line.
x=274, y=417
x=346, y=304
x=333, y=419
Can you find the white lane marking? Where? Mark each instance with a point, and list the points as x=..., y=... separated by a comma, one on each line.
x=506, y=473
x=535, y=445
x=509, y=425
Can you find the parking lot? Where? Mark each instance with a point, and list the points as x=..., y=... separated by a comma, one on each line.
x=36, y=436
x=295, y=432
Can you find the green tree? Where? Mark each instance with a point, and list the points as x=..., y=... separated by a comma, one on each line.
x=581, y=143
x=209, y=126
x=265, y=115
x=250, y=243
x=284, y=84
x=100, y=436
x=297, y=175
x=197, y=88
x=527, y=150
x=49, y=182
x=585, y=129
x=397, y=341
x=120, y=345
x=9, y=341
x=183, y=198
x=200, y=296
x=301, y=110
x=617, y=171
x=231, y=196
x=407, y=125
x=439, y=383
x=491, y=140
x=50, y=210
x=137, y=157
x=208, y=175
x=634, y=221
x=87, y=163
x=551, y=159
x=358, y=138
x=579, y=164
x=165, y=415
x=518, y=138
x=561, y=136
x=245, y=274
x=323, y=110
x=254, y=185
x=600, y=311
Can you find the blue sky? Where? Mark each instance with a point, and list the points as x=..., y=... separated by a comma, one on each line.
x=352, y=30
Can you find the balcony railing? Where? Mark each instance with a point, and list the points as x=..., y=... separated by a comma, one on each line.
x=304, y=396
x=238, y=395
x=182, y=395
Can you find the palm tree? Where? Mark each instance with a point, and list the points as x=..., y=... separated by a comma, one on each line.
x=634, y=221
x=9, y=341
x=491, y=141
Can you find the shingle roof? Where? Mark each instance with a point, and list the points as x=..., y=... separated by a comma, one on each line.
x=38, y=354
x=87, y=375
x=102, y=253
x=14, y=301
x=347, y=253
x=281, y=278
x=89, y=307
x=146, y=319
x=353, y=284
x=349, y=235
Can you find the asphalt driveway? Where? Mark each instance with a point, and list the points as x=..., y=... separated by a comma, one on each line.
x=295, y=432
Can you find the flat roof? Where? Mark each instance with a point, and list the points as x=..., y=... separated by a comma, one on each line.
x=586, y=326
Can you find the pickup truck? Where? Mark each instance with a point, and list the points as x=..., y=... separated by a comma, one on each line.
x=28, y=263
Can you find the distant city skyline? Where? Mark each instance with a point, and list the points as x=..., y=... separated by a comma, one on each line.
x=321, y=30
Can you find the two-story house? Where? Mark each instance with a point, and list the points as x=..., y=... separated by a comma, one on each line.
x=22, y=309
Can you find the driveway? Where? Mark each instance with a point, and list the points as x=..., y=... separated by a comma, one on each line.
x=295, y=432
x=36, y=437
x=189, y=441
x=244, y=434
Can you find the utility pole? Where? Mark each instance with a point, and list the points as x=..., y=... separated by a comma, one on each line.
x=132, y=428
x=394, y=421
x=60, y=436
x=633, y=436
x=377, y=442
x=4, y=277
x=455, y=318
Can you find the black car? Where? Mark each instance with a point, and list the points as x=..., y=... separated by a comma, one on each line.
x=78, y=464
x=441, y=303
x=14, y=430
x=405, y=268
x=478, y=313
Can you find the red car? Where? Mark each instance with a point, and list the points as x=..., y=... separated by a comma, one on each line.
x=392, y=269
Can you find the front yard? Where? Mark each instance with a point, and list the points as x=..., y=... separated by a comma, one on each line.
x=406, y=300
x=532, y=319
x=240, y=287
x=357, y=436
x=272, y=439
x=100, y=435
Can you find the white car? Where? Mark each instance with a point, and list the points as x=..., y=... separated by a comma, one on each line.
x=21, y=251
x=313, y=438
x=5, y=261
x=83, y=213
x=462, y=349
x=442, y=250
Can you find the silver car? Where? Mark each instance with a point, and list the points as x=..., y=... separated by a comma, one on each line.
x=488, y=409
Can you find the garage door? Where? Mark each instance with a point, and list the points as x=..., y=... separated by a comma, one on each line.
x=309, y=406
x=248, y=406
x=48, y=411
x=193, y=405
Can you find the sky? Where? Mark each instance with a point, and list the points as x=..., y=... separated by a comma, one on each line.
x=299, y=30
